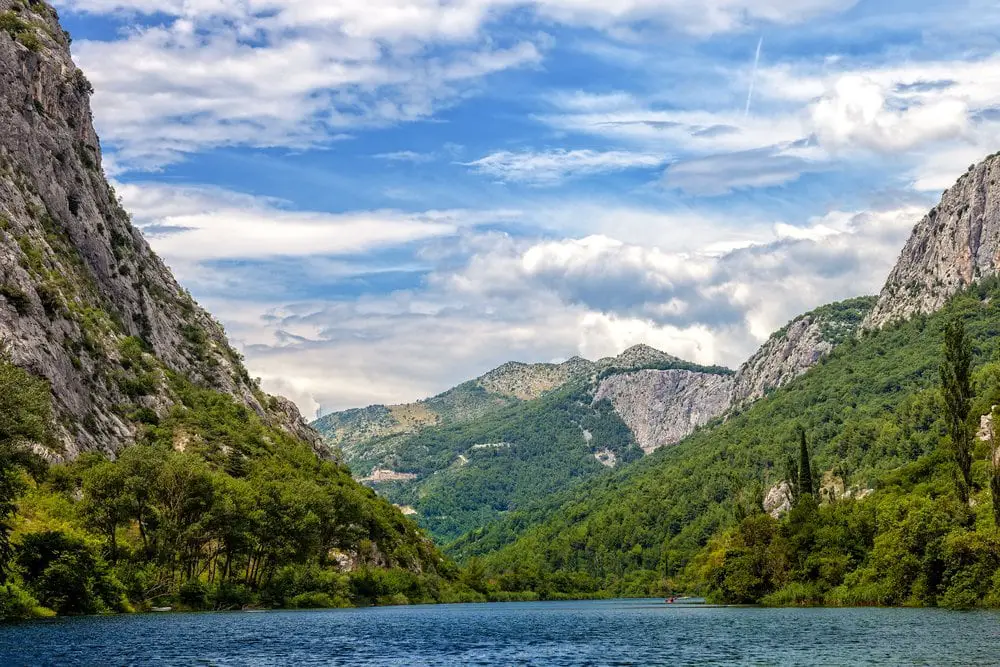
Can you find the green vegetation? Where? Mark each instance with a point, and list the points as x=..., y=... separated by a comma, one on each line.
x=474, y=472
x=677, y=364
x=887, y=526
x=20, y=30
x=212, y=510
x=838, y=321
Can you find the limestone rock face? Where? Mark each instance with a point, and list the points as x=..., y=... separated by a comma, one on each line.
x=780, y=359
x=778, y=499
x=662, y=407
x=797, y=347
x=84, y=302
x=369, y=436
x=955, y=244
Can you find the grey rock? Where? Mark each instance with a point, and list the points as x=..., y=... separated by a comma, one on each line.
x=797, y=347
x=76, y=278
x=662, y=407
x=956, y=243
x=781, y=359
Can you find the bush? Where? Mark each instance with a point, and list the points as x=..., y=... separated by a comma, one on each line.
x=66, y=575
x=193, y=594
x=229, y=596
x=16, y=604
x=315, y=600
x=795, y=594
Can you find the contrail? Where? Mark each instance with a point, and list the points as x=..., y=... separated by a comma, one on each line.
x=753, y=77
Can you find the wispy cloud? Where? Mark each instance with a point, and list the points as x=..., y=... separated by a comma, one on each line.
x=553, y=166
x=406, y=156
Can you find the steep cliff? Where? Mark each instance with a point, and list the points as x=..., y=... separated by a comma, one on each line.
x=84, y=302
x=797, y=347
x=370, y=436
x=662, y=407
x=957, y=243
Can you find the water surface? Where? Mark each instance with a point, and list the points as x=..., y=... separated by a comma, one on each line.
x=607, y=632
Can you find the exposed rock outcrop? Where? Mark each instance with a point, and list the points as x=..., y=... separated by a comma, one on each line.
x=370, y=434
x=778, y=499
x=662, y=407
x=84, y=302
x=797, y=347
x=957, y=243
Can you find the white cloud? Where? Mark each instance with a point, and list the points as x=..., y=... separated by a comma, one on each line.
x=858, y=113
x=406, y=156
x=545, y=300
x=188, y=225
x=296, y=73
x=554, y=166
x=166, y=91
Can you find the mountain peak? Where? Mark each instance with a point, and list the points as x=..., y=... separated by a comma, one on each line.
x=955, y=244
x=641, y=355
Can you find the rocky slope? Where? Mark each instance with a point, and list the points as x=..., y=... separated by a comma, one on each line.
x=371, y=434
x=797, y=347
x=955, y=244
x=84, y=302
x=662, y=407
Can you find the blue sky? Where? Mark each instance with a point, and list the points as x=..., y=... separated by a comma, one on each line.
x=380, y=199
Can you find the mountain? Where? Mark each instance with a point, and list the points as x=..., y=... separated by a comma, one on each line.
x=84, y=301
x=169, y=477
x=885, y=525
x=518, y=433
x=954, y=245
x=797, y=347
x=508, y=439
x=369, y=436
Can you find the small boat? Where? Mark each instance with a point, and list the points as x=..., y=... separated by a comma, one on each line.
x=162, y=609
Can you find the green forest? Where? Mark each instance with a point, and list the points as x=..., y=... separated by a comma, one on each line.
x=212, y=510
x=474, y=472
x=891, y=483
x=880, y=423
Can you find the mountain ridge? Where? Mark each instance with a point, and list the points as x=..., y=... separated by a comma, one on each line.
x=84, y=301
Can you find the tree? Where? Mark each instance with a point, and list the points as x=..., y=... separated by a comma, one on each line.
x=995, y=464
x=105, y=505
x=25, y=417
x=956, y=388
x=805, y=481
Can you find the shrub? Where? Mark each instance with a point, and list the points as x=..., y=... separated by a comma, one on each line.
x=66, y=575
x=16, y=604
x=193, y=594
x=231, y=596
x=16, y=297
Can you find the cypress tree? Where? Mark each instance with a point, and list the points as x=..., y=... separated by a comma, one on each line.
x=805, y=486
x=956, y=390
x=995, y=466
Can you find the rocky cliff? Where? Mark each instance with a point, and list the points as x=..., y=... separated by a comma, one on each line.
x=662, y=407
x=797, y=347
x=364, y=433
x=84, y=302
x=955, y=244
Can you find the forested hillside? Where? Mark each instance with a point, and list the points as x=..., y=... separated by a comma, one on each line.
x=462, y=475
x=140, y=466
x=877, y=435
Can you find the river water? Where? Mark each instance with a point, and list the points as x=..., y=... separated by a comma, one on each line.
x=607, y=632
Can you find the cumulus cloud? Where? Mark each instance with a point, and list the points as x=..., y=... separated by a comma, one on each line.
x=553, y=166
x=545, y=300
x=857, y=112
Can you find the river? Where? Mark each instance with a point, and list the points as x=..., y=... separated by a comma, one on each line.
x=607, y=632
